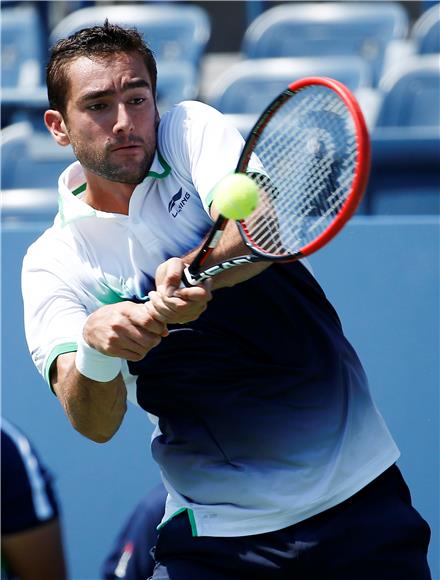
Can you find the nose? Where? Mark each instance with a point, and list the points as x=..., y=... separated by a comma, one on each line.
x=124, y=122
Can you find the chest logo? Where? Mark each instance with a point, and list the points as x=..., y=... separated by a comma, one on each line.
x=178, y=202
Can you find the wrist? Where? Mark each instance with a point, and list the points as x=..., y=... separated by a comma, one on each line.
x=94, y=365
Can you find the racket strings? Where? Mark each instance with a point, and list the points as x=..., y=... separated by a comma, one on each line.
x=308, y=154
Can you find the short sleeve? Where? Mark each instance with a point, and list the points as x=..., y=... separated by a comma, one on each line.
x=53, y=313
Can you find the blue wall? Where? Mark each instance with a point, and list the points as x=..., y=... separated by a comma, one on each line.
x=382, y=274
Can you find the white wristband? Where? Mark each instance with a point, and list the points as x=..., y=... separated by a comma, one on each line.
x=94, y=365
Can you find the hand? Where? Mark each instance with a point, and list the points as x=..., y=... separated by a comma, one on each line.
x=126, y=330
x=174, y=304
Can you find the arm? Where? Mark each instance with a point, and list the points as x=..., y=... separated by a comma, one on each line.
x=229, y=246
x=35, y=554
x=96, y=408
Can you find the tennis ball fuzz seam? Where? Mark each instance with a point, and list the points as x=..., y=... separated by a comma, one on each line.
x=236, y=196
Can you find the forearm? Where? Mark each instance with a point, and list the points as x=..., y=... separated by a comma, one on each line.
x=229, y=246
x=93, y=408
x=88, y=383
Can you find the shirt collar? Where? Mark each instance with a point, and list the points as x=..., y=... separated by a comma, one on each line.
x=72, y=184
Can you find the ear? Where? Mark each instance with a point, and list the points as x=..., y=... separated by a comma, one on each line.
x=56, y=126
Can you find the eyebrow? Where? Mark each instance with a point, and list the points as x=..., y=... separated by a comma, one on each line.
x=127, y=86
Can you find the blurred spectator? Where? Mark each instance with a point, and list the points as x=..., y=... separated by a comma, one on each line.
x=31, y=540
x=131, y=556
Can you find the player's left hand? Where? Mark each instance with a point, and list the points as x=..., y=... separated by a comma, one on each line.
x=172, y=303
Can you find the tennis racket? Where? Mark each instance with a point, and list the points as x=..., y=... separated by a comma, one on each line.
x=309, y=154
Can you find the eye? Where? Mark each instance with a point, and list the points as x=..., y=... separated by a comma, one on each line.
x=97, y=107
x=137, y=100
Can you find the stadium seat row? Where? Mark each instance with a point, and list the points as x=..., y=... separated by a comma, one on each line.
x=403, y=110
x=360, y=42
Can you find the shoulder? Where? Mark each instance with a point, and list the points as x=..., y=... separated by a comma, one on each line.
x=188, y=109
x=188, y=115
x=53, y=246
x=192, y=128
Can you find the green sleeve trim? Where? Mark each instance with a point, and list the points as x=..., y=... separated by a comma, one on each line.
x=192, y=520
x=59, y=349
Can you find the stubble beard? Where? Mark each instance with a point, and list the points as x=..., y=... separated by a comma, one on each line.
x=100, y=163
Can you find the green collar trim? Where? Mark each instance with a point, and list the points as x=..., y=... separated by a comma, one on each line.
x=79, y=189
x=166, y=168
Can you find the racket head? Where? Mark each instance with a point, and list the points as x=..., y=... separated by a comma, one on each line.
x=313, y=145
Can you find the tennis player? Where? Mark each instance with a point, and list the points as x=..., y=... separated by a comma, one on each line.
x=276, y=460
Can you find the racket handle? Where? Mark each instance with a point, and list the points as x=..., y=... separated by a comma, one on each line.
x=188, y=279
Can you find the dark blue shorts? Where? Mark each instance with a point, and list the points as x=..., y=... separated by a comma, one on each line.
x=375, y=535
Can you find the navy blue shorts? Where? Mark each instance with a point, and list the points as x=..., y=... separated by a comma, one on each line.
x=375, y=535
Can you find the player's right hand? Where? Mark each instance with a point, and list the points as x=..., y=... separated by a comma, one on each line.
x=126, y=330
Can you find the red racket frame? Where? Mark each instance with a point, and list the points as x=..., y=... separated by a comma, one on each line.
x=360, y=178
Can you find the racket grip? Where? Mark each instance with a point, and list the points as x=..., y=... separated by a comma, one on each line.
x=188, y=279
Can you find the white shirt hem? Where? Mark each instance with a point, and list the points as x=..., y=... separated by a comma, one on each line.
x=211, y=522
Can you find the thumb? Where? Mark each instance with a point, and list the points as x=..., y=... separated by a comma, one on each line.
x=169, y=276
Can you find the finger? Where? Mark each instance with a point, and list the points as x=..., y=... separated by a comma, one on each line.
x=175, y=310
x=158, y=308
x=136, y=353
x=194, y=294
x=169, y=276
x=134, y=347
x=142, y=316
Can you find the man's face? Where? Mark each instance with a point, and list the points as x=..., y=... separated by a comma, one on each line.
x=111, y=116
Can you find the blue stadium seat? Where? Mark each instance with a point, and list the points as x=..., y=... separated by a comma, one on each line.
x=411, y=94
x=405, y=172
x=427, y=4
x=21, y=104
x=331, y=29
x=21, y=47
x=426, y=31
x=175, y=32
x=31, y=158
x=30, y=206
x=249, y=86
x=176, y=81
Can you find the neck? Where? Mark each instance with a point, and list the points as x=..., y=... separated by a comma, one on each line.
x=108, y=196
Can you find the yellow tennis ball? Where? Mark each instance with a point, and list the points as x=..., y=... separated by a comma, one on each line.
x=236, y=196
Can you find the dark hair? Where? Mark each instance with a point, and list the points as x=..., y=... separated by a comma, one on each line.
x=97, y=41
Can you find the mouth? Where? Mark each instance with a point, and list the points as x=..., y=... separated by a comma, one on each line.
x=128, y=152
x=125, y=148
